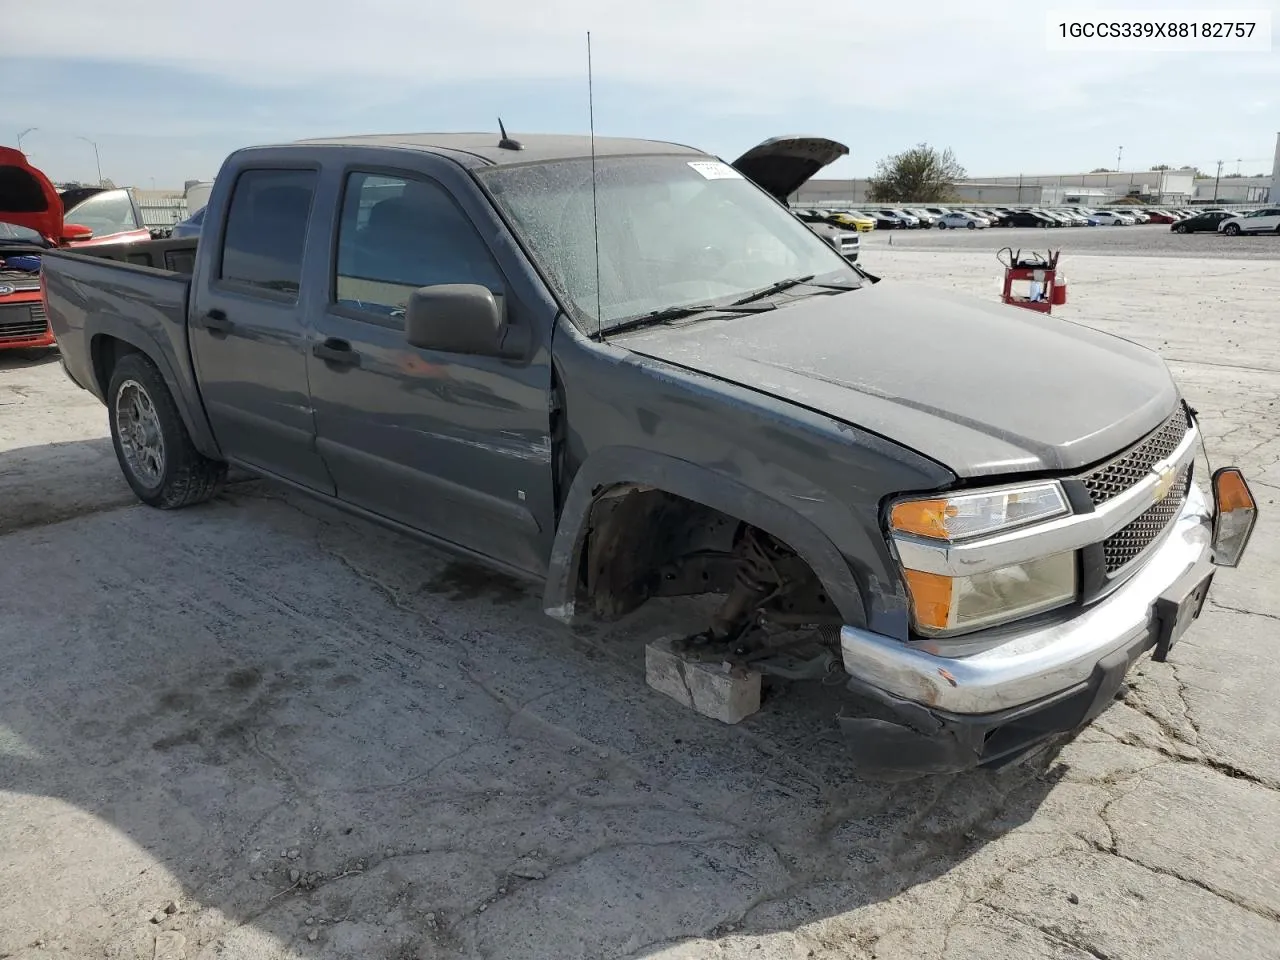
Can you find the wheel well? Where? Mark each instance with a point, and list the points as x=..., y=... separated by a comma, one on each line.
x=105, y=351
x=643, y=542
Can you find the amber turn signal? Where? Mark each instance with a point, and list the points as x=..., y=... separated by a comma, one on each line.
x=1234, y=514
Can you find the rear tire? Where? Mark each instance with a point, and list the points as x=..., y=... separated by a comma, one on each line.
x=1232, y=229
x=155, y=452
x=1179, y=228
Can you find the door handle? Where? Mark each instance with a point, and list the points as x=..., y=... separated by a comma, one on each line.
x=336, y=351
x=215, y=321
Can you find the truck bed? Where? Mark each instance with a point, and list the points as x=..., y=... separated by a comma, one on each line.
x=174, y=256
x=135, y=293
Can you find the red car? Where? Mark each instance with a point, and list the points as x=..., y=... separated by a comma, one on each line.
x=35, y=217
x=1161, y=216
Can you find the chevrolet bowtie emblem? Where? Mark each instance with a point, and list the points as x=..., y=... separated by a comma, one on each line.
x=1164, y=482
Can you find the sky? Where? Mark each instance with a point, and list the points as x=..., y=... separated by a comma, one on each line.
x=166, y=90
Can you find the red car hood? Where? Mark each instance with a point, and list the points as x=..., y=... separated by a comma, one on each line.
x=27, y=198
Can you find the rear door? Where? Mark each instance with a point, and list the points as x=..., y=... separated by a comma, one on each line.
x=246, y=331
x=1267, y=221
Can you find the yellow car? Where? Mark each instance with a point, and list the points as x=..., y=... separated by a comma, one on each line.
x=857, y=221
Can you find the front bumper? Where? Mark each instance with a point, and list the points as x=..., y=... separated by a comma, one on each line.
x=997, y=698
x=23, y=323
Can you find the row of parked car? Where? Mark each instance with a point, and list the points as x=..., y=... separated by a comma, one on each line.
x=1233, y=223
x=976, y=218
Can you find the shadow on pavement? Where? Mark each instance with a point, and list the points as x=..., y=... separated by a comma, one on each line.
x=323, y=738
x=26, y=357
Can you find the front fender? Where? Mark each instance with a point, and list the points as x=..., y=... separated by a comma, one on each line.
x=611, y=466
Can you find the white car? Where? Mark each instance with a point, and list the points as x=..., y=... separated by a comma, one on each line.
x=1109, y=218
x=957, y=220
x=1266, y=220
x=926, y=218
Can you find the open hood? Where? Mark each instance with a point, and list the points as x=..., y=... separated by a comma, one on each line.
x=27, y=198
x=783, y=165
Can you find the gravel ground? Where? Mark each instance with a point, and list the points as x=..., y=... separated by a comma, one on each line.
x=1146, y=240
x=258, y=729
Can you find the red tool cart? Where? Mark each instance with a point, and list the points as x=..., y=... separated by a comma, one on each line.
x=1047, y=287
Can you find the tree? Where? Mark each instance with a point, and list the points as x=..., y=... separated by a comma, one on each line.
x=1102, y=170
x=921, y=173
x=1162, y=166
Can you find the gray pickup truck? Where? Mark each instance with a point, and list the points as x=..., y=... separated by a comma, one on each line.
x=626, y=371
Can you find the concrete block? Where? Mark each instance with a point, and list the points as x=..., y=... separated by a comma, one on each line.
x=714, y=689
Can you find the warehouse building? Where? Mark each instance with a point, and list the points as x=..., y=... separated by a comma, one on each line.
x=1173, y=187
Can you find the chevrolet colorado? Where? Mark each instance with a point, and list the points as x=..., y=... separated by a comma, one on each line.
x=625, y=371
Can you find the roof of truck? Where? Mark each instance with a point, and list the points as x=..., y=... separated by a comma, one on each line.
x=484, y=146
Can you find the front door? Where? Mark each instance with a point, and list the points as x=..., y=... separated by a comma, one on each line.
x=248, y=343
x=455, y=446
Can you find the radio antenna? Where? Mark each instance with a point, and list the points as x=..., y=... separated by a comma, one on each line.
x=595, y=209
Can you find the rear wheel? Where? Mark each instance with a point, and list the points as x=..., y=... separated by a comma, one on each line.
x=155, y=451
x=1232, y=229
x=1179, y=228
x=941, y=225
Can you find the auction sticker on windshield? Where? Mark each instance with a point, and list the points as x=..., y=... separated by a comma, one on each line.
x=715, y=170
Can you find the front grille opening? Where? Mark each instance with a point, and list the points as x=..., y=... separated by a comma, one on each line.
x=1114, y=478
x=1127, y=544
x=22, y=321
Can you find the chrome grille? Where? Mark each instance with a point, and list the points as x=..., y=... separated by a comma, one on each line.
x=1127, y=544
x=21, y=321
x=1118, y=475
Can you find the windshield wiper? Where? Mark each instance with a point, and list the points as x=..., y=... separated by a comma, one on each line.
x=773, y=288
x=679, y=313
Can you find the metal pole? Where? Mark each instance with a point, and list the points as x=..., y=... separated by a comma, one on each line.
x=1119, y=154
x=23, y=134
x=97, y=159
x=1215, y=181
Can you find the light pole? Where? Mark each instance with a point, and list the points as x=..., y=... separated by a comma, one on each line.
x=23, y=134
x=97, y=159
x=1119, y=154
x=1216, y=180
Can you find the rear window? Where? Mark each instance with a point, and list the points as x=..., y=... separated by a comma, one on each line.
x=266, y=229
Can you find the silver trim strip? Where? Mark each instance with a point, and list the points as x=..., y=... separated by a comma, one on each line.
x=1073, y=532
x=1030, y=664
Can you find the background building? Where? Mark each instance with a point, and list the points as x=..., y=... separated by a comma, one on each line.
x=1174, y=187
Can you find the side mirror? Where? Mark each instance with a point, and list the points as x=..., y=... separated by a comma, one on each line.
x=461, y=318
x=71, y=232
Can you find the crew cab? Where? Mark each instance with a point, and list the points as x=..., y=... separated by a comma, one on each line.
x=622, y=370
x=35, y=217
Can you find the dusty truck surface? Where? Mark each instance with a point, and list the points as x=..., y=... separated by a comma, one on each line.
x=639, y=376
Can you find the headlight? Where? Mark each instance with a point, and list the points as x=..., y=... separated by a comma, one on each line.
x=941, y=604
x=966, y=515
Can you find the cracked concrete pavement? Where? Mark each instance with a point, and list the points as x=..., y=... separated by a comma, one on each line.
x=323, y=740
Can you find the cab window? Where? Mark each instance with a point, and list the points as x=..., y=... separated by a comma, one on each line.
x=397, y=234
x=266, y=229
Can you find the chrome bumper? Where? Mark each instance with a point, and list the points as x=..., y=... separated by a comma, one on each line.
x=981, y=676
